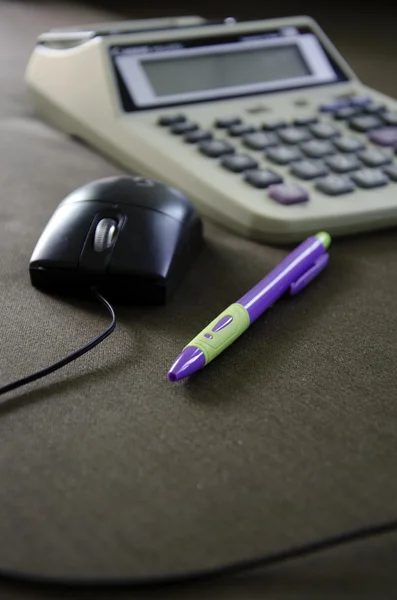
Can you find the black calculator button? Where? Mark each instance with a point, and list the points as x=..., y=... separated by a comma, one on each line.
x=185, y=127
x=238, y=163
x=318, y=148
x=294, y=135
x=390, y=117
x=260, y=140
x=374, y=158
x=303, y=121
x=168, y=120
x=348, y=144
x=365, y=123
x=369, y=178
x=335, y=185
x=240, y=129
x=347, y=113
x=225, y=122
x=283, y=155
x=273, y=124
x=198, y=135
x=215, y=148
x=391, y=172
x=262, y=178
x=308, y=169
x=324, y=131
x=343, y=163
x=373, y=109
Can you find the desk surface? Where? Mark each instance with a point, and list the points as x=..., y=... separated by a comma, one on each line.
x=107, y=470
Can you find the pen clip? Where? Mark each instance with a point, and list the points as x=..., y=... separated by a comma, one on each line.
x=310, y=274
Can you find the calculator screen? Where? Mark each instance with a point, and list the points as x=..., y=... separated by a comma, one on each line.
x=205, y=69
x=223, y=70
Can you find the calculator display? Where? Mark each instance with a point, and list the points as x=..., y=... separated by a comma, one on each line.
x=228, y=66
x=223, y=70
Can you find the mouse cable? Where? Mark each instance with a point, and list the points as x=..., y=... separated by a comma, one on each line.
x=65, y=361
x=228, y=569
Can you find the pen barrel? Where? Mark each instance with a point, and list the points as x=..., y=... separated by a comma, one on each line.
x=278, y=281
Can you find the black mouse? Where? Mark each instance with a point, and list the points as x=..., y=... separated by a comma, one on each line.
x=132, y=238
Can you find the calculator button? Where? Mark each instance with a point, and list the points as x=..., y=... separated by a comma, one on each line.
x=365, y=123
x=198, y=136
x=324, y=130
x=260, y=140
x=386, y=136
x=390, y=117
x=317, y=148
x=333, y=106
x=335, y=185
x=284, y=193
x=343, y=163
x=168, y=120
x=283, y=155
x=369, y=178
x=238, y=163
x=215, y=148
x=347, y=113
x=226, y=122
x=240, y=129
x=373, y=109
x=185, y=127
x=391, y=171
x=262, y=178
x=308, y=169
x=374, y=158
x=305, y=121
x=273, y=124
x=360, y=101
x=294, y=135
x=348, y=144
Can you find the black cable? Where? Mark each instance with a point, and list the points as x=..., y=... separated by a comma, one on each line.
x=234, y=568
x=71, y=357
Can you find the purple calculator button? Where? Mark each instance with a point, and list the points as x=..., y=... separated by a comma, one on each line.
x=208, y=336
x=386, y=136
x=360, y=101
x=330, y=107
x=285, y=193
x=224, y=322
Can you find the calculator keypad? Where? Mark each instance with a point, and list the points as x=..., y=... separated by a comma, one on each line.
x=311, y=148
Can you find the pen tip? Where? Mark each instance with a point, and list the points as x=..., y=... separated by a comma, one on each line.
x=324, y=238
x=188, y=362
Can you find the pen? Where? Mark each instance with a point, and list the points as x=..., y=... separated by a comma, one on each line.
x=294, y=273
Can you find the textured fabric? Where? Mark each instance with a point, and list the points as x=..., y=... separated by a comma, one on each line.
x=107, y=470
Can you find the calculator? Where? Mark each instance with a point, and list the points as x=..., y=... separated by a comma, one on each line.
x=263, y=124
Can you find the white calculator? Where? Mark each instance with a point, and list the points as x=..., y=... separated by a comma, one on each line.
x=262, y=124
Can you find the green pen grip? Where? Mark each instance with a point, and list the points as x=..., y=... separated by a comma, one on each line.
x=220, y=340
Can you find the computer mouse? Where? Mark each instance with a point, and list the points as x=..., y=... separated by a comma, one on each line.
x=132, y=238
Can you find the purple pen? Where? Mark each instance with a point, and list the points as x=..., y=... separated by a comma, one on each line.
x=294, y=273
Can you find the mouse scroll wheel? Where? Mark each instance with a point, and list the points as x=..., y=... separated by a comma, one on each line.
x=104, y=234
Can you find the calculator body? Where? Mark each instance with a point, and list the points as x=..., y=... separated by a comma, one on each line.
x=263, y=124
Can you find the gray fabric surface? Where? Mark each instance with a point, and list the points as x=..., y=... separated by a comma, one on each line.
x=107, y=470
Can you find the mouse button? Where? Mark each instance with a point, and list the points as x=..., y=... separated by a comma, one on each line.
x=60, y=244
x=146, y=245
x=102, y=190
